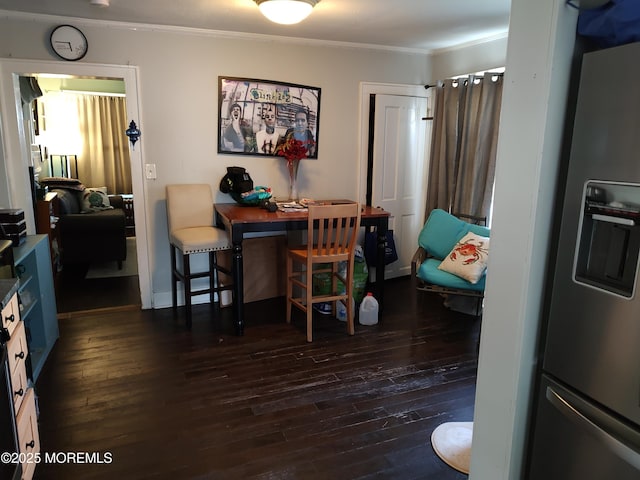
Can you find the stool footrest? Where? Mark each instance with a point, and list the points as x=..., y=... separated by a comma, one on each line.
x=182, y=273
x=191, y=275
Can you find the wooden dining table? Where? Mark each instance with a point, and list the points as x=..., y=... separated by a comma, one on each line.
x=239, y=220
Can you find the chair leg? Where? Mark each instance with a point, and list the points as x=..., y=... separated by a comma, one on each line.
x=334, y=288
x=309, y=304
x=186, y=272
x=212, y=277
x=351, y=329
x=289, y=271
x=217, y=285
x=174, y=279
x=479, y=305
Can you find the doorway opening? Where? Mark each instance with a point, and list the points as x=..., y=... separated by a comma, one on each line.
x=108, y=290
x=77, y=127
x=394, y=161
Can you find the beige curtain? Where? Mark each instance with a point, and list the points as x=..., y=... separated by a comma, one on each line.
x=104, y=160
x=463, y=153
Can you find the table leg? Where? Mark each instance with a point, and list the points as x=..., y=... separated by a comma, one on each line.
x=381, y=229
x=238, y=288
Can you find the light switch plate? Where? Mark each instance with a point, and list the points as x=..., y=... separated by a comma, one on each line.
x=150, y=171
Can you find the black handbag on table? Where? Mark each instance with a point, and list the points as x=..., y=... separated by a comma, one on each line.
x=236, y=181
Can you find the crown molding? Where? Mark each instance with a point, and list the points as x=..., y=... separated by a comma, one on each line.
x=226, y=34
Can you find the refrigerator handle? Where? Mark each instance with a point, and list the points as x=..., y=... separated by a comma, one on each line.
x=571, y=413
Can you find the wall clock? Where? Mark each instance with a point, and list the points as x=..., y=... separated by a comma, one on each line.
x=68, y=42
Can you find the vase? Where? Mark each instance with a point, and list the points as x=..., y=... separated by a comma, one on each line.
x=292, y=166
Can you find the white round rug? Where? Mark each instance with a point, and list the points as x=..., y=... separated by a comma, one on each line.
x=452, y=443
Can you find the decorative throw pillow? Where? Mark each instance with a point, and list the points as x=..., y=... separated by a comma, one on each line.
x=468, y=259
x=95, y=200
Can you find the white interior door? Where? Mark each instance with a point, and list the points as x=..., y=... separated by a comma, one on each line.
x=400, y=161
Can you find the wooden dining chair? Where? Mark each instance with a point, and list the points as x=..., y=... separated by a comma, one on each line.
x=332, y=232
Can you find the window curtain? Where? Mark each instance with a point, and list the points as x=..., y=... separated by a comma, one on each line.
x=105, y=159
x=464, y=141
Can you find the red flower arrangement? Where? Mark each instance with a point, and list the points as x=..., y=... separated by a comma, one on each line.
x=293, y=151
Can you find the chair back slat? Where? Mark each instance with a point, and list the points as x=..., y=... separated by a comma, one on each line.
x=336, y=228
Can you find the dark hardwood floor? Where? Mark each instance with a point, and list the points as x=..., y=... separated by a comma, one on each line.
x=75, y=293
x=167, y=403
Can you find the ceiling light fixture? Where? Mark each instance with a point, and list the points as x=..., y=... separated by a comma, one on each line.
x=99, y=3
x=286, y=12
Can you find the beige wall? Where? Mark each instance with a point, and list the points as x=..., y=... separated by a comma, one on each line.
x=178, y=79
x=178, y=72
x=471, y=58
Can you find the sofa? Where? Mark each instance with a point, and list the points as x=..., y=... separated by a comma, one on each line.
x=451, y=257
x=91, y=224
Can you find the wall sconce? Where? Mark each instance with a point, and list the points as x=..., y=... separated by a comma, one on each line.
x=286, y=12
x=133, y=133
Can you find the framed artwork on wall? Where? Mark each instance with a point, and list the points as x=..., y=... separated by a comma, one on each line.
x=255, y=116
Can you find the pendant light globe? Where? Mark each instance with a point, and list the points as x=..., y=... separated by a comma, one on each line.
x=286, y=12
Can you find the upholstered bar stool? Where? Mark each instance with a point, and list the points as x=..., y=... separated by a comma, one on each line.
x=191, y=230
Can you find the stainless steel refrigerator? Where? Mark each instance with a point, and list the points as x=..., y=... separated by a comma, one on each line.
x=587, y=419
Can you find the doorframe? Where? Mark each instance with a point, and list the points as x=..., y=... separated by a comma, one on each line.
x=14, y=158
x=366, y=90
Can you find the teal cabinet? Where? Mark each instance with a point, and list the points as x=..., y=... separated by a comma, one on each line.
x=32, y=263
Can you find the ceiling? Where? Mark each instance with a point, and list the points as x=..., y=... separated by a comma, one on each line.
x=422, y=25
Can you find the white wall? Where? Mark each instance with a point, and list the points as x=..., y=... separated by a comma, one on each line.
x=540, y=51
